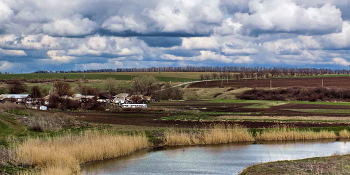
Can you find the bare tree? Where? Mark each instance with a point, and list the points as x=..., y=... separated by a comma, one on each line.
x=87, y=90
x=62, y=88
x=16, y=86
x=144, y=85
x=110, y=85
x=35, y=92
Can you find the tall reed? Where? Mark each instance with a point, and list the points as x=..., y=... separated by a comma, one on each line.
x=286, y=133
x=344, y=134
x=213, y=135
x=55, y=155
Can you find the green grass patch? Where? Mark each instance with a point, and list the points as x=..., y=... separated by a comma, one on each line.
x=17, y=112
x=5, y=128
x=336, y=111
x=89, y=76
x=279, y=102
x=321, y=103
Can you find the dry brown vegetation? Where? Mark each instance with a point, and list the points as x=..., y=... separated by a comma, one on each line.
x=4, y=156
x=216, y=134
x=298, y=94
x=286, y=133
x=65, y=154
x=8, y=105
x=46, y=122
x=211, y=93
x=235, y=133
x=332, y=165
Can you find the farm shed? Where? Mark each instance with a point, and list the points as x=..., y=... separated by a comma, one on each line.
x=104, y=98
x=18, y=98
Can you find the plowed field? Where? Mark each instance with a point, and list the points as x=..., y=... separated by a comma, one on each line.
x=199, y=113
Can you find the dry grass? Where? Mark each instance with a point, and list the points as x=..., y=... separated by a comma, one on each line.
x=286, y=133
x=344, y=134
x=4, y=156
x=49, y=122
x=332, y=165
x=55, y=155
x=214, y=135
x=208, y=93
x=8, y=105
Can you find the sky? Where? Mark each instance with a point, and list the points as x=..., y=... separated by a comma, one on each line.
x=108, y=34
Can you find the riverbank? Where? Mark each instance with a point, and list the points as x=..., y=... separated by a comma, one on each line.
x=64, y=154
x=337, y=164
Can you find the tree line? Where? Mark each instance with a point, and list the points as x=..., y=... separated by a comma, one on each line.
x=273, y=71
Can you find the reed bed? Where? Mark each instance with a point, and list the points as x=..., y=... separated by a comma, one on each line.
x=216, y=134
x=279, y=133
x=63, y=155
x=344, y=134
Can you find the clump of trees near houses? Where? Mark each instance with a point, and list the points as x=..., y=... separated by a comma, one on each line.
x=61, y=92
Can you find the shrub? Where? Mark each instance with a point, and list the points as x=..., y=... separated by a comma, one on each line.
x=16, y=86
x=298, y=94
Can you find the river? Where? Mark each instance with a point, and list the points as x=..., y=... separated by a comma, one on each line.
x=217, y=159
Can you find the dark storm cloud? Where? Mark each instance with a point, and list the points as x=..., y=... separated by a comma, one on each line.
x=162, y=41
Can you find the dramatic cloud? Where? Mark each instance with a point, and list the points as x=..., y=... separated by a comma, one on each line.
x=82, y=34
x=287, y=16
x=77, y=26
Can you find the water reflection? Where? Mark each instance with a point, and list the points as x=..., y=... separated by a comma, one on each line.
x=217, y=159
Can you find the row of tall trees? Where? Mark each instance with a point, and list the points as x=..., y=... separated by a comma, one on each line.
x=270, y=73
x=274, y=71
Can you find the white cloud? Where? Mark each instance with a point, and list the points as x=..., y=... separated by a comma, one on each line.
x=200, y=43
x=186, y=16
x=341, y=61
x=283, y=47
x=210, y=56
x=287, y=16
x=121, y=24
x=243, y=59
x=12, y=52
x=337, y=40
x=245, y=51
x=76, y=26
x=57, y=56
x=5, y=13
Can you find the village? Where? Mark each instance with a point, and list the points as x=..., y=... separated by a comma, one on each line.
x=122, y=100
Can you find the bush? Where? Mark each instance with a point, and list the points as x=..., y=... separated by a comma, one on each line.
x=16, y=86
x=298, y=94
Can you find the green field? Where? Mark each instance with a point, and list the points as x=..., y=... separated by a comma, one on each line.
x=271, y=102
x=166, y=76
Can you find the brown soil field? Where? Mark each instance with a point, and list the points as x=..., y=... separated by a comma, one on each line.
x=341, y=82
x=152, y=119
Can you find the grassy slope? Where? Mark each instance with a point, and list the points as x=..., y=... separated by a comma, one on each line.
x=319, y=165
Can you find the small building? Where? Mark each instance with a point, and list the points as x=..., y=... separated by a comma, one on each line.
x=134, y=105
x=120, y=98
x=17, y=98
x=104, y=98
